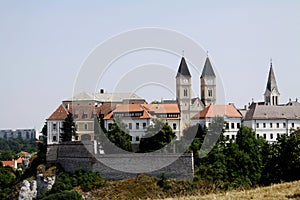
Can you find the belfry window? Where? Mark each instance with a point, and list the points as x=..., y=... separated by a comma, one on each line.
x=185, y=92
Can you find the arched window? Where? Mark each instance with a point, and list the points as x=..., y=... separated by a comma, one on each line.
x=185, y=92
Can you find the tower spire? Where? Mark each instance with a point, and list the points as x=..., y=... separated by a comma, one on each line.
x=272, y=93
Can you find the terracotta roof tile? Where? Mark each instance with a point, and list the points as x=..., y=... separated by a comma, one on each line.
x=59, y=114
x=10, y=163
x=218, y=110
x=162, y=108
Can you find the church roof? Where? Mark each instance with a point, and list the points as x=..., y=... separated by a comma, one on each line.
x=183, y=69
x=208, y=69
x=271, y=84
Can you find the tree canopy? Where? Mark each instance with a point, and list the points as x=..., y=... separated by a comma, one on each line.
x=68, y=129
x=158, y=135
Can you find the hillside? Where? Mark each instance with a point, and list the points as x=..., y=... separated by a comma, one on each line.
x=283, y=191
x=144, y=187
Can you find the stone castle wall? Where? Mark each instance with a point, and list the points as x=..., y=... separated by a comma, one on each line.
x=73, y=156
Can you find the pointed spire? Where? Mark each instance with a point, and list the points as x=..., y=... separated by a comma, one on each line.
x=207, y=69
x=271, y=84
x=183, y=69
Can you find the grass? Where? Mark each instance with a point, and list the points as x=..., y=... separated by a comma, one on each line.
x=283, y=191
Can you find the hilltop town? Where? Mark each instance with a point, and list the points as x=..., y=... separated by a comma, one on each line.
x=268, y=118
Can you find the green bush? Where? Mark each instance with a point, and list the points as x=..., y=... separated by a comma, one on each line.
x=74, y=195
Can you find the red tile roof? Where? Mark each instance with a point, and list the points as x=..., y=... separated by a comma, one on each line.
x=59, y=114
x=162, y=108
x=218, y=110
x=10, y=163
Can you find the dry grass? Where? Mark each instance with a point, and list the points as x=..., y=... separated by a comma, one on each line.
x=287, y=191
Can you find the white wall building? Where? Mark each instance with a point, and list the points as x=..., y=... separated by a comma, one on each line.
x=138, y=117
x=231, y=115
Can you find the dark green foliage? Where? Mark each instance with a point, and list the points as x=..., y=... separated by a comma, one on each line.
x=7, y=181
x=42, y=145
x=68, y=129
x=9, y=148
x=86, y=180
x=283, y=161
x=157, y=136
x=73, y=194
x=164, y=183
x=119, y=135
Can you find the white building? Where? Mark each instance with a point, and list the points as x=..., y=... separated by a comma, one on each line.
x=25, y=134
x=231, y=115
x=138, y=117
x=269, y=119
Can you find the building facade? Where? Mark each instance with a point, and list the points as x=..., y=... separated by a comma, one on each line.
x=232, y=118
x=25, y=134
x=270, y=119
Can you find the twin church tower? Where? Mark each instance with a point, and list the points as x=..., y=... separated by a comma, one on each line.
x=190, y=106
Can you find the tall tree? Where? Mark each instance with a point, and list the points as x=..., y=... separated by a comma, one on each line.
x=68, y=129
x=119, y=135
x=42, y=145
x=158, y=135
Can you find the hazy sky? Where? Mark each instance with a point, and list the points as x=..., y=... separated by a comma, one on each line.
x=44, y=43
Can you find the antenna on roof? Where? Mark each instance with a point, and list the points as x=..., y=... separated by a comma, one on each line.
x=207, y=53
x=182, y=53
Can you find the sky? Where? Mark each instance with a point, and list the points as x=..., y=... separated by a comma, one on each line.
x=43, y=45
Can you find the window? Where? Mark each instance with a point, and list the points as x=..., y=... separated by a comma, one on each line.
x=185, y=93
x=227, y=137
x=54, y=139
x=109, y=126
x=277, y=125
x=232, y=125
x=174, y=126
x=75, y=116
x=265, y=136
x=271, y=125
x=293, y=125
x=137, y=138
x=130, y=126
x=210, y=93
x=233, y=137
x=227, y=125
x=264, y=125
x=278, y=135
x=257, y=125
x=284, y=125
x=209, y=125
x=137, y=126
x=85, y=126
x=238, y=125
x=271, y=136
x=257, y=135
x=54, y=127
x=84, y=116
x=130, y=138
x=144, y=125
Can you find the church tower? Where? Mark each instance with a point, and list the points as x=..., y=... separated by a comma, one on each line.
x=183, y=92
x=208, y=84
x=272, y=93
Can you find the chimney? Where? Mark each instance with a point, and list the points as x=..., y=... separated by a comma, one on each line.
x=101, y=91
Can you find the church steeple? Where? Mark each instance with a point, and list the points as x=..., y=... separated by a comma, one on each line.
x=208, y=84
x=272, y=93
x=184, y=92
x=183, y=69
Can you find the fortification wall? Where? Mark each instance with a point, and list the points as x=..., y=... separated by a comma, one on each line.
x=74, y=156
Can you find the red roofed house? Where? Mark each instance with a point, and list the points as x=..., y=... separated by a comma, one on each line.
x=10, y=163
x=231, y=115
x=138, y=117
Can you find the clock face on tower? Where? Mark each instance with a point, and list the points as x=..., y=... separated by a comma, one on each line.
x=185, y=81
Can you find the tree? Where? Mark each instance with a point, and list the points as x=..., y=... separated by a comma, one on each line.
x=283, y=163
x=42, y=145
x=119, y=135
x=158, y=135
x=68, y=129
